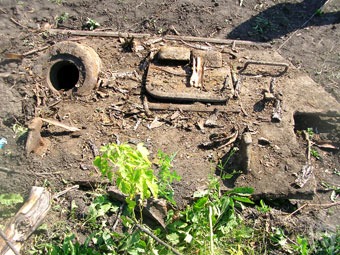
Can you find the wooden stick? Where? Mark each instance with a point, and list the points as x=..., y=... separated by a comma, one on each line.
x=35, y=51
x=17, y=23
x=99, y=33
x=167, y=37
x=315, y=205
x=9, y=243
x=65, y=191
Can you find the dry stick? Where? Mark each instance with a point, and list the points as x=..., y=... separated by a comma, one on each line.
x=304, y=24
x=34, y=51
x=146, y=231
x=9, y=243
x=65, y=191
x=17, y=23
x=315, y=205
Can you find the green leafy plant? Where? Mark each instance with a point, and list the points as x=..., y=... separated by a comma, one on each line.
x=310, y=132
x=263, y=208
x=301, y=246
x=8, y=202
x=166, y=176
x=100, y=206
x=91, y=24
x=19, y=130
x=62, y=18
x=262, y=25
x=222, y=165
x=315, y=153
x=9, y=199
x=212, y=214
x=131, y=169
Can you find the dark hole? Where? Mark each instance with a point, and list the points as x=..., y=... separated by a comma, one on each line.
x=64, y=75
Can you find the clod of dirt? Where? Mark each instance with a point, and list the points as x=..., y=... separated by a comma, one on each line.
x=35, y=143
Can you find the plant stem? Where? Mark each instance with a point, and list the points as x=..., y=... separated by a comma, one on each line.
x=211, y=232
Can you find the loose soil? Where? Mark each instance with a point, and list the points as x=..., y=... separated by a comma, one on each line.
x=115, y=113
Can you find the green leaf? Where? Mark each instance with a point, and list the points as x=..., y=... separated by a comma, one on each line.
x=242, y=199
x=241, y=191
x=200, y=203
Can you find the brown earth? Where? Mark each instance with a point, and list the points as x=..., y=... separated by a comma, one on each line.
x=116, y=113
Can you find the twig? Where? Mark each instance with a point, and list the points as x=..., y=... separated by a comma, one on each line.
x=118, y=216
x=65, y=191
x=59, y=124
x=17, y=23
x=9, y=243
x=3, y=11
x=313, y=205
x=304, y=24
x=35, y=51
x=297, y=210
x=200, y=47
x=243, y=110
x=146, y=231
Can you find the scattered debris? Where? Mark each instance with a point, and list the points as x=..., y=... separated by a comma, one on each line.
x=155, y=123
x=220, y=140
x=212, y=120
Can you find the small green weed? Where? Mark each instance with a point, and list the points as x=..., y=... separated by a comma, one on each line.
x=315, y=153
x=62, y=18
x=8, y=204
x=222, y=165
x=263, y=208
x=19, y=130
x=301, y=246
x=262, y=25
x=58, y=2
x=91, y=24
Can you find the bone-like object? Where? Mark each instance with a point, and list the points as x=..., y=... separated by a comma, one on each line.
x=196, y=79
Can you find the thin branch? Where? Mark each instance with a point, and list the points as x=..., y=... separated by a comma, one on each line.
x=146, y=231
x=313, y=205
x=65, y=191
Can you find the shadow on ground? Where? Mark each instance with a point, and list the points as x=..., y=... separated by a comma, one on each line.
x=283, y=19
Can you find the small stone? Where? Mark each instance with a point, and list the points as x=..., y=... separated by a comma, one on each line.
x=269, y=96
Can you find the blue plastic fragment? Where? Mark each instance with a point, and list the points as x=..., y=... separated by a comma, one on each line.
x=3, y=142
